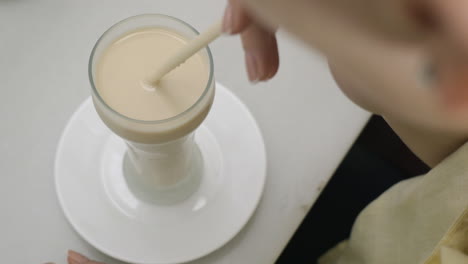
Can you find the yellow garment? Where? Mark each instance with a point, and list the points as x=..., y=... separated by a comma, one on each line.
x=451, y=247
x=409, y=223
x=452, y=256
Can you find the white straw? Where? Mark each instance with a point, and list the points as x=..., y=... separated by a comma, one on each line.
x=192, y=47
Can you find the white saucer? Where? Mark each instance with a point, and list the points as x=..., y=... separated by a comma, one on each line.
x=98, y=204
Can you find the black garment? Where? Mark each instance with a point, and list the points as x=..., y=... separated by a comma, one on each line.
x=377, y=160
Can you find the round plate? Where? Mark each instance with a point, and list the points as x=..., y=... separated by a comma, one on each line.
x=98, y=204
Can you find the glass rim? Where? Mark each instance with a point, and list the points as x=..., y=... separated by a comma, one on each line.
x=95, y=91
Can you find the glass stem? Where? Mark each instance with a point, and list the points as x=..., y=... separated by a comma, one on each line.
x=162, y=173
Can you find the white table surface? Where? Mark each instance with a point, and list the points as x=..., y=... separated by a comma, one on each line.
x=307, y=123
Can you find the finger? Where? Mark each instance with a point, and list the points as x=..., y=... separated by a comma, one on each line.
x=76, y=258
x=236, y=19
x=261, y=53
x=454, y=19
x=422, y=12
x=73, y=261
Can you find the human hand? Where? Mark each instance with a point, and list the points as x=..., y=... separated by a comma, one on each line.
x=357, y=35
x=401, y=19
x=259, y=42
x=77, y=258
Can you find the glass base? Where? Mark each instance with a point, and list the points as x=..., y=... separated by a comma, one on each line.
x=165, y=195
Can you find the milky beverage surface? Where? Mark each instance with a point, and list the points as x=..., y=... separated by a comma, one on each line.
x=126, y=64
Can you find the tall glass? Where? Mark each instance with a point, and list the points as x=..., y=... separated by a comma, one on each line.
x=163, y=164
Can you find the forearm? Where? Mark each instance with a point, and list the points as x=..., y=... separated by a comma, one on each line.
x=430, y=146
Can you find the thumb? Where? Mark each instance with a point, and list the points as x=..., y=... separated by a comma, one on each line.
x=453, y=17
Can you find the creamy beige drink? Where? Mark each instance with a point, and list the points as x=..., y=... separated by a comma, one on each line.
x=120, y=73
x=126, y=64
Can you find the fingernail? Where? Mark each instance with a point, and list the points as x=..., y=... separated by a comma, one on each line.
x=271, y=74
x=228, y=20
x=252, y=67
